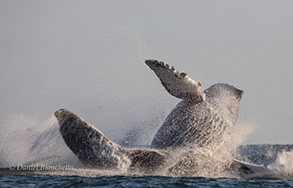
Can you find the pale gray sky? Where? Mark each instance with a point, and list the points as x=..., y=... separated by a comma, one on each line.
x=88, y=56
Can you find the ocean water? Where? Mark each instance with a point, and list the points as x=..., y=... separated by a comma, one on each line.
x=138, y=181
x=130, y=181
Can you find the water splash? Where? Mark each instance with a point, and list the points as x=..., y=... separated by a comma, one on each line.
x=283, y=165
x=41, y=143
x=36, y=142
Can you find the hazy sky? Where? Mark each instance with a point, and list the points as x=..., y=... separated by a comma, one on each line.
x=88, y=56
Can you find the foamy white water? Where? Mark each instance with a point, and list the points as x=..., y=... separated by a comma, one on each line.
x=283, y=165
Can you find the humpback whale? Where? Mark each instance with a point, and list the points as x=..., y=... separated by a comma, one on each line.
x=195, y=136
x=203, y=118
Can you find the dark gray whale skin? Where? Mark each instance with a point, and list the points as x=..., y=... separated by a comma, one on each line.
x=201, y=119
x=95, y=150
x=200, y=124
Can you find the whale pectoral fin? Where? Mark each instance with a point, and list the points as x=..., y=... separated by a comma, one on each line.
x=178, y=84
x=91, y=147
x=95, y=150
x=248, y=170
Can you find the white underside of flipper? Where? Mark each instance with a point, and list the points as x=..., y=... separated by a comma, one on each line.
x=253, y=171
x=178, y=84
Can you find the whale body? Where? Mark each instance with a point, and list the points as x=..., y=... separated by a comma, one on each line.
x=200, y=127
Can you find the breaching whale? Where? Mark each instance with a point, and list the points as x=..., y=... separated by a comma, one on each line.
x=195, y=136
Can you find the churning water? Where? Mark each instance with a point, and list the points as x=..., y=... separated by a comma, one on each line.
x=39, y=150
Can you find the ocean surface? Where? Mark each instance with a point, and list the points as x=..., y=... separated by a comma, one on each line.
x=129, y=181
x=277, y=157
